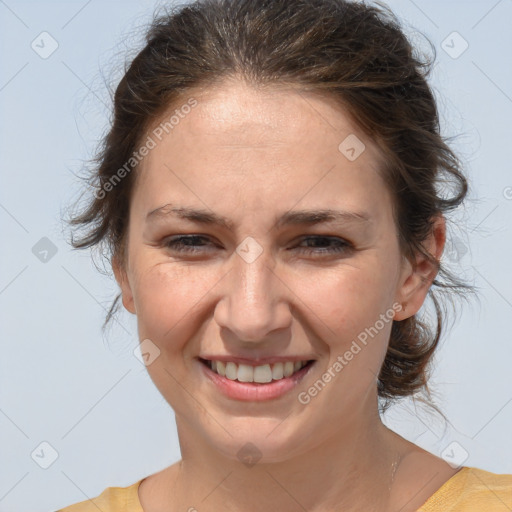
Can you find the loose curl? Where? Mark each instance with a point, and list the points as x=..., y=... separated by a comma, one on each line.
x=351, y=52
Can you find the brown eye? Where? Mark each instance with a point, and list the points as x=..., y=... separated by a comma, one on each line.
x=324, y=245
x=187, y=244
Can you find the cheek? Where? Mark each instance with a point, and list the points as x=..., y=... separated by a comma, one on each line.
x=167, y=297
x=347, y=299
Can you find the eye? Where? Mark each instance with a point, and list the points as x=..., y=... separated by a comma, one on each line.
x=187, y=244
x=196, y=244
x=325, y=245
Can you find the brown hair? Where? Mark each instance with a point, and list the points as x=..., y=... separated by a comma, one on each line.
x=354, y=53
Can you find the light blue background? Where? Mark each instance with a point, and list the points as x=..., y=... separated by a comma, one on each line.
x=89, y=397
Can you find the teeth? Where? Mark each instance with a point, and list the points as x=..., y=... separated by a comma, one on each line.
x=231, y=371
x=221, y=368
x=245, y=373
x=277, y=371
x=260, y=374
x=288, y=368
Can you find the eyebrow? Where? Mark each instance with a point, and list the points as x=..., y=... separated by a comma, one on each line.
x=300, y=217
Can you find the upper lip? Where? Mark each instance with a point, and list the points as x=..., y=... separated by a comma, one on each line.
x=255, y=361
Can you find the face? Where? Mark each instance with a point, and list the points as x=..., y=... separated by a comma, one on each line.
x=261, y=250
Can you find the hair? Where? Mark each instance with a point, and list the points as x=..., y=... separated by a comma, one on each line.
x=353, y=53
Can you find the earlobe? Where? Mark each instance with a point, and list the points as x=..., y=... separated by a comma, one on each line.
x=124, y=285
x=416, y=281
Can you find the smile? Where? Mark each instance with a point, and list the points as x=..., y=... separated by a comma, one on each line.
x=247, y=382
x=261, y=374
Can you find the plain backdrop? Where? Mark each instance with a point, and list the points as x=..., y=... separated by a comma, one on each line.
x=78, y=412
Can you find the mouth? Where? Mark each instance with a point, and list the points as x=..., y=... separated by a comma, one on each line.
x=254, y=382
x=262, y=374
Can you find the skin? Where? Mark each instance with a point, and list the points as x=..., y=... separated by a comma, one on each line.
x=251, y=155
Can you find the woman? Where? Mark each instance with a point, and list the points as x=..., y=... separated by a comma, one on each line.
x=269, y=194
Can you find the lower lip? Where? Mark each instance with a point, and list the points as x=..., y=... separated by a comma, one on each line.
x=252, y=391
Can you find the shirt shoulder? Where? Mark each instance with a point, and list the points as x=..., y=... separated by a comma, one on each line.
x=472, y=490
x=112, y=499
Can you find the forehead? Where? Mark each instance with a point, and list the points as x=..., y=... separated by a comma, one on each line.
x=235, y=113
x=273, y=140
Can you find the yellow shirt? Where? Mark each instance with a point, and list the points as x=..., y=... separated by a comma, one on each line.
x=469, y=490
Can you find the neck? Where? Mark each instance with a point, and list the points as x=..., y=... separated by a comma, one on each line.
x=351, y=471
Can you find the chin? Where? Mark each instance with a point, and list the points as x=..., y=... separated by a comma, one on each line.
x=252, y=440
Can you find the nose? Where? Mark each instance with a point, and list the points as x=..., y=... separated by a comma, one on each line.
x=255, y=300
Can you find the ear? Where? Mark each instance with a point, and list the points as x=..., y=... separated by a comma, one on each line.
x=124, y=284
x=415, y=283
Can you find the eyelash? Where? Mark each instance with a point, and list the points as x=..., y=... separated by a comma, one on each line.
x=177, y=244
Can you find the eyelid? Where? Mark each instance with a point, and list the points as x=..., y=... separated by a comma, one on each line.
x=176, y=243
x=335, y=238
